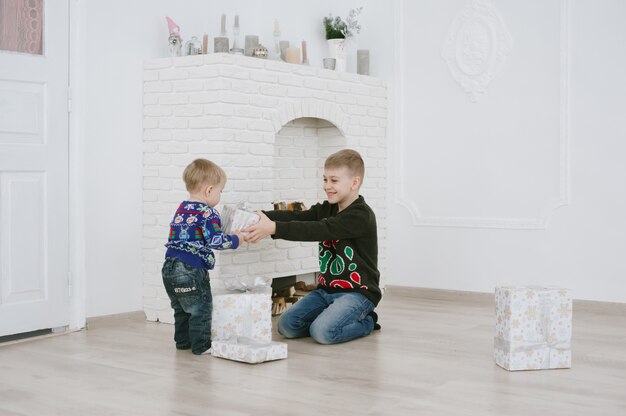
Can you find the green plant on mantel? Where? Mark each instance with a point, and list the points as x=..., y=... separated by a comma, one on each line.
x=336, y=28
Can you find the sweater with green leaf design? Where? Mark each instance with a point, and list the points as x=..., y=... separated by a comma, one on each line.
x=348, y=248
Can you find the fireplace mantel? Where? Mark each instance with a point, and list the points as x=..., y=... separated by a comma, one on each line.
x=270, y=125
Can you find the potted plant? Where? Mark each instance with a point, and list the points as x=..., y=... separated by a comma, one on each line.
x=337, y=32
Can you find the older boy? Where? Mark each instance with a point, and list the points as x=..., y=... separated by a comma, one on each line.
x=342, y=306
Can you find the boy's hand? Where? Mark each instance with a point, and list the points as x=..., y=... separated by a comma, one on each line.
x=261, y=229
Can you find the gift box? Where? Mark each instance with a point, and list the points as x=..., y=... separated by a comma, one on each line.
x=533, y=328
x=247, y=314
x=234, y=219
x=248, y=350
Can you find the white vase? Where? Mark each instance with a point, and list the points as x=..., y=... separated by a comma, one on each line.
x=337, y=50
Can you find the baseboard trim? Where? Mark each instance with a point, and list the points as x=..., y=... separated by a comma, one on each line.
x=96, y=320
x=580, y=305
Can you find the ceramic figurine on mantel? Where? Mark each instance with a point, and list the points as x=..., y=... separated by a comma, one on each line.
x=175, y=41
x=236, y=49
x=220, y=43
x=338, y=32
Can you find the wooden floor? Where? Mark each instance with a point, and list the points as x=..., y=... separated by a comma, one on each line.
x=433, y=356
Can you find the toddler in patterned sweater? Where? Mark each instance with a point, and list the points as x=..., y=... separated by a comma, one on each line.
x=195, y=232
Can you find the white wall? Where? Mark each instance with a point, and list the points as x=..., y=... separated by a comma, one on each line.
x=481, y=182
x=118, y=36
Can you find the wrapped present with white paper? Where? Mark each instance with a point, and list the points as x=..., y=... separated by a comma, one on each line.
x=248, y=350
x=533, y=328
x=236, y=219
x=247, y=314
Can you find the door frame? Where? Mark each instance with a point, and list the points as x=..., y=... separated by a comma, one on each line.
x=77, y=225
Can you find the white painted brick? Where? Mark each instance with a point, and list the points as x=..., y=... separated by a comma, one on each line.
x=247, y=185
x=203, y=72
x=237, y=173
x=299, y=92
x=171, y=172
x=290, y=79
x=377, y=112
x=261, y=149
x=312, y=263
x=249, y=136
x=357, y=110
x=346, y=99
x=205, y=122
x=368, y=122
x=232, y=271
x=261, y=173
x=290, y=173
x=282, y=184
x=188, y=85
x=260, y=125
x=155, y=208
x=150, y=99
x=338, y=86
x=150, y=196
x=173, y=123
x=203, y=97
x=173, y=197
x=173, y=148
x=246, y=258
x=356, y=131
x=246, y=87
x=235, y=148
x=188, y=110
x=247, y=111
x=304, y=163
x=273, y=90
x=187, y=135
x=261, y=197
x=156, y=183
x=234, y=72
x=328, y=74
x=159, y=63
x=218, y=109
x=264, y=102
x=157, y=86
x=316, y=83
x=191, y=60
x=156, y=111
x=235, y=123
x=307, y=71
x=171, y=74
x=155, y=159
x=150, y=172
x=150, y=122
x=273, y=255
x=377, y=152
x=182, y=159
x=288, y=266
x=349, y=77
x=264, y=76
x=360, y=89
x=371, y=81
x=378, y=92
x=246, y=161
x=234, y=97
x=150, y=75
x=172, y=99
x=375, y=132
x=277, y=66
x=325, y=96
x=293, y=152
x=250, y=62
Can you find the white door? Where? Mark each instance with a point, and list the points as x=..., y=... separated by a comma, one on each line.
x=34, y=264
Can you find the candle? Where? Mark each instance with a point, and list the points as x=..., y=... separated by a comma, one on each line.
x=223, y=32
x=205, y=44
x=237, y=21
x=292, y=55
x=276, y=29
x=284, y=44
x=220, y=45
x=305, y=58
x=252, y=41
x=363, y=61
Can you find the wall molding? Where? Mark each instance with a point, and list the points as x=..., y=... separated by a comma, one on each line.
x=551, y=205
x=477, y=47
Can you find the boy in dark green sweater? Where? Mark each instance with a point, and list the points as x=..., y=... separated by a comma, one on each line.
x=342, y=306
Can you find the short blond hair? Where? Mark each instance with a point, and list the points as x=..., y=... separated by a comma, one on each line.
x=202, y=172
x=347, y=158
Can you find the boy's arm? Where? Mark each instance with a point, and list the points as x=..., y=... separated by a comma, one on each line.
x=348, y=224
x=310, y=214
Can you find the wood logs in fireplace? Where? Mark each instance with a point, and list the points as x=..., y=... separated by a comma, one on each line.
x=284, y=298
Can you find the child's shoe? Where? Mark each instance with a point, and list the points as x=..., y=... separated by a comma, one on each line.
x=374, y=316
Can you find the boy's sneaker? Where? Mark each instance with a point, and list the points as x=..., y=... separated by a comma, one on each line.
x=374, y=316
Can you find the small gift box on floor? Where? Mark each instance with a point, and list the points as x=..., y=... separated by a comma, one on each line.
x=533, y=328
x=247, y=314
x=248, y=350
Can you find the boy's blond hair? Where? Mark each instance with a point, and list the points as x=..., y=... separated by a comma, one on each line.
x=347, y=158
x=202, y=172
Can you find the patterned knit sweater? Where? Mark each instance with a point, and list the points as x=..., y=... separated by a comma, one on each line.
x=348, y=248
x=194, y=232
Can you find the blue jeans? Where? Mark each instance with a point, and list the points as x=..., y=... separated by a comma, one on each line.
x=189, y=291
x=329, y=318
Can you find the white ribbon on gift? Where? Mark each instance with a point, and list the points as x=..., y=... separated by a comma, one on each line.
x=544, y=346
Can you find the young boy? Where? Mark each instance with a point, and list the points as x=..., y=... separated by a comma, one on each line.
x=194, y=232
x=342, y=306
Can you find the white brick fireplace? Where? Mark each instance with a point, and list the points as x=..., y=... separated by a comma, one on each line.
x=270, y=125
